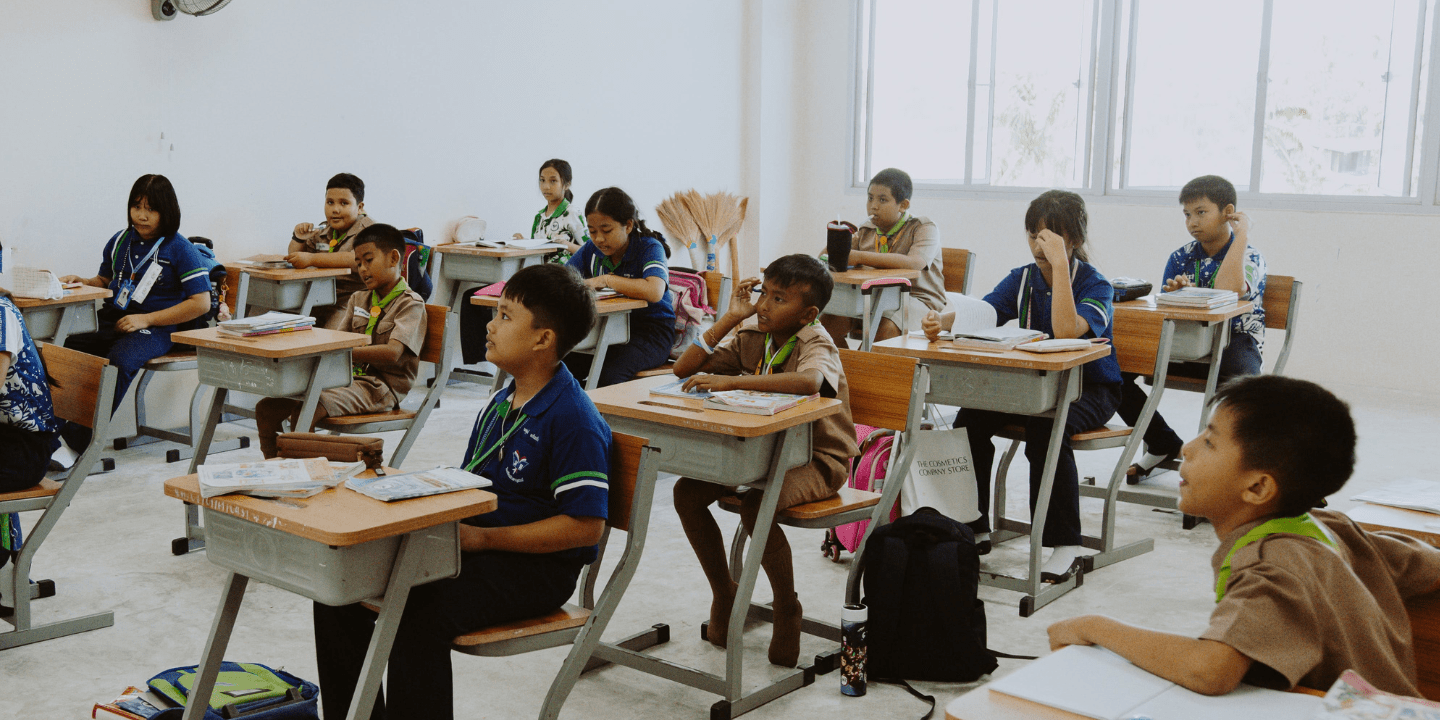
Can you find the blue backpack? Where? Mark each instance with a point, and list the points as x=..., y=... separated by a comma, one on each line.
x=416, y=265
x=206, y=248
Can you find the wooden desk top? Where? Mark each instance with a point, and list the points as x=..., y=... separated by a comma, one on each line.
x=279, y=345
x=289, y=274
x=340, y=516
x=603, y=307
x=1147, y=304
x=633, y=400
x=505, y=252
x=985, y=704
x=73, y=296
x=943, y=351
x=1420, y=525
x=863, y=275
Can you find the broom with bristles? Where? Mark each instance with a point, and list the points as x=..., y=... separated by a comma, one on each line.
x=719, y=217
x=680, y=225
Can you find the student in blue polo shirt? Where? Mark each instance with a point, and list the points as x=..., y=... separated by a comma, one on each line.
x=158, y=281
x=631, y=259
x=1064, y=296
x=28, y=428
x=547, y=450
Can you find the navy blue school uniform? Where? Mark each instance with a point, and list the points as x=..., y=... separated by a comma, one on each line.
x=182, y=274
x=549, y=457
x=28, y=425
x=1025, y=296
x=652, y=328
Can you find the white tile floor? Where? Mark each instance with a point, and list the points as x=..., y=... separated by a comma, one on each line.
x=111, y=551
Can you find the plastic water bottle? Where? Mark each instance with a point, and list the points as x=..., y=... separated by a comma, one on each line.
x=853, y=649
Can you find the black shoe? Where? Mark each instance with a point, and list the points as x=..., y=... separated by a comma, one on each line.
x=1057, y=578
x=1138, y=474
x=982, y=547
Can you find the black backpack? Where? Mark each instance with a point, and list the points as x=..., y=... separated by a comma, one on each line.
x=920, y=576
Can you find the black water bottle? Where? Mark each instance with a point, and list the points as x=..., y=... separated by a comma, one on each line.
x=852, y=649
x=838, y=238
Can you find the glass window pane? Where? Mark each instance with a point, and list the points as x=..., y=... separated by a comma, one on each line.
x=1193, y=105
x=1337, y=95
x=922, y=66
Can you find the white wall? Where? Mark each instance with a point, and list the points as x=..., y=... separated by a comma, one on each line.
x=1365, y=317
x=444, y=109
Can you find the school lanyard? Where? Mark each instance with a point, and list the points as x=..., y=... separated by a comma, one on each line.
x=1301, y=525
x=882, y=240
x=600, y=261
x=767, y=365
x=1025, y=297
x=541, y=216
x=376, y=306
x=134, y=269
x=497, y=416
x=1197, y=282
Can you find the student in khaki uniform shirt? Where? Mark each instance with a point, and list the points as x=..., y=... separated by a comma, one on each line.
x=784, y=351
x=893, y=238
x=1301, y=594
x=332, y=243
x=388, y=311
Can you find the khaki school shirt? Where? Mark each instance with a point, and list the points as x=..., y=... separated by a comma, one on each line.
x=743, y=351
x=920, y=238
x=318, y=241
x=1307, y=612
x=404, y=320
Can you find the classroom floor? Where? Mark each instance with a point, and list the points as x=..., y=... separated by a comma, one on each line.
x=112, y=551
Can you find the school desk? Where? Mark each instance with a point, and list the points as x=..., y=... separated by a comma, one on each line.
x=464, y=266
x=850, y=299
x=728, y=448
x=1424, y=610
x=1023, y=383
x=285, y=289
x=54, y=320
x=1200, y=335
x=613, y=328
x=1377, y=518
x=294, y=364
x=336, y=548
x=983, y=703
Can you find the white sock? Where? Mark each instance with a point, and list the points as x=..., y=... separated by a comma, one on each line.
x=65, y=456
x=1151, y=461
x=1062, y=557
x=982, y=537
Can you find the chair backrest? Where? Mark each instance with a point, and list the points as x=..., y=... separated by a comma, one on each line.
x=232, y=286
x=624, y=471
x=880, y=388
x=716, y=290
x=1281, y=295
x=433, y=349
x=1137, y=339
x=958, y=264
x=1425, y=631
x=77, y=378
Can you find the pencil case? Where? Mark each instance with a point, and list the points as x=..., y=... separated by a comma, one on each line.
x=336, y=448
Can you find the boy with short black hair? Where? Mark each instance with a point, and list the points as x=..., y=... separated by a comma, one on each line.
x=893, y=238
x=332, y=243
x=547, y=450
x=1301, y=594
x=1207, y=261
x=784, y=351
x=392, y=315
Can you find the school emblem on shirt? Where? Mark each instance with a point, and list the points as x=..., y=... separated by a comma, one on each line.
x=518, y=463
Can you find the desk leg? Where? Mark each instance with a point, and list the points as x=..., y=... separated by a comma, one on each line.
x=209, y=668
x=397, y=591
x=312, y=391
x=867, y=333
x=242, y=294
x=1217, y=350
x=67, y=320
x=207, y=431
x=308, y=302
x=592, y=381
x=1047, y=478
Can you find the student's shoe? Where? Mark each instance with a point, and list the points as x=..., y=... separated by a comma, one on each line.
x=1140, y=472
x=63, y=458
x=1051, y=578
x=982, y=547
x=785, y=633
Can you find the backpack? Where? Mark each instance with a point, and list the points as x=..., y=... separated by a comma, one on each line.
x=920, y=576
x=242, y=689
x=867, y=472
x=688, y=294
x=415, y=266
x=206, y=248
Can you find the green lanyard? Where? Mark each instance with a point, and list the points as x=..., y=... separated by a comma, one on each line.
x=773, y=358
x=376, y=306
x=541, y=216
x=501, y=410
x=336, y=236
x=1301, y=525
x=882, y=240
x=600, y=261
x=1025, y=297
x=1197, y=282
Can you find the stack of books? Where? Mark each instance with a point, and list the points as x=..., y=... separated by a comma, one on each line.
x=755, y=402
x=389, y=488
x=1197, y=297
x=268, y=324
x=996, y=339
x=289, y=478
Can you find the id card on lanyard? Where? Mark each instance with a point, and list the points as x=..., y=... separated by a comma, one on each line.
x=128, y=288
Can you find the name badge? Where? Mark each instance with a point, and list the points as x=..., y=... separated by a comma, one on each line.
x=122, y=297
x=361, y=313
x=147, y=281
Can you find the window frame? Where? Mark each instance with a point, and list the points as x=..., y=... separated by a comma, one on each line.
x=1107, y=130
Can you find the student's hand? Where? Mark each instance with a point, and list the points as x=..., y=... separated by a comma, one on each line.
x=300, y=259
x=67, y=279
x=1177, y=282
x=1239, y=222
x=517, y=236
x=599, y=282
x=304, y=229
x=1054, y=248
x=1070, y=632
x=742, y=304
x=702, y=382
x=131, y=323
x=931, y=326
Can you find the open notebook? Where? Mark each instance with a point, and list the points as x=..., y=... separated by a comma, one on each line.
x=1099, y=684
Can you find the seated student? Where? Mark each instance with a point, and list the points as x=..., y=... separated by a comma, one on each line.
x=629, y=258
x=908, y=243
x=332, y=243
x=1301, y=594
x=548, y=450
x=158, y=281
x=1080, y=307
x=1206, y=261
x=558, y=222
x=394, y=318
x=783, y=351
x=29, y=432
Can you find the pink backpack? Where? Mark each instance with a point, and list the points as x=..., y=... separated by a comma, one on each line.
x=867, y=472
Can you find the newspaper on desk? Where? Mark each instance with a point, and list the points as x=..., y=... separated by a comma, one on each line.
x=1410, y=494
x=1352, y=698
x=290, y=478
x=389, y=488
